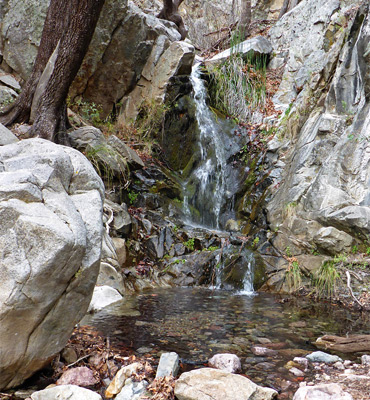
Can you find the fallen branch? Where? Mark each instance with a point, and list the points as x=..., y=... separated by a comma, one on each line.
x=80, y=359
x=350, y=289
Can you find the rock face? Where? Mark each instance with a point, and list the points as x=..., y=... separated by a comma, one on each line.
x=127, y=44
x=51, y=203
x=208, y=383
x=320, y=199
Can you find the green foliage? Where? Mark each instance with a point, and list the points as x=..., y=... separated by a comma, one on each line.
x=132, y=196
x=288, y=252
x=354, y=249
x=189, y=244
x=211, y=248
x=294, y=276
x=326, y=278
x=238, y=87
x=88, y=111
x=147, y=127
x=256, y=240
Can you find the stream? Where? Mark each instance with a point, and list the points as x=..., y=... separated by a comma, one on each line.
x=198, y=323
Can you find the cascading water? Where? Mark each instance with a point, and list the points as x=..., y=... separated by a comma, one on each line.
x=209, y=189
x=206, y=187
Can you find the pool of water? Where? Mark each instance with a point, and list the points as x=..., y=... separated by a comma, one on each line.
x=198, y=323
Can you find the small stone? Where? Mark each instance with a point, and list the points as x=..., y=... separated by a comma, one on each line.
x=119, y=380
x=339, y=365
x=79, y=376
x=263, y=340
x=303, y=362
x=226, y=362
x=263, y=351
x=132, y=390
x=320, y=356
x=69, y=355
x=347, y=363
x=296, y=372
x=168, y=365
x=365, y=359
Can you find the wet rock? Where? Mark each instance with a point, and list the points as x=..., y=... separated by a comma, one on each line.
x=263, y=351
x=206, y=383
x=320, y=356
x=122, y=223
x=65, y=392
x=225, y=362
x=263, y=340
x=132, y=390
x=328, y=392
x=79, y=376
x=168, y=365
x=103, y=296
x=120, y=378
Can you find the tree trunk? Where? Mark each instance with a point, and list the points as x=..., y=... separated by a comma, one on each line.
x=71, y=24
x=170, y=12
x=245, y=17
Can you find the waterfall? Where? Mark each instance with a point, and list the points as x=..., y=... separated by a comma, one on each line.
x=207, y=182
x=210, y=188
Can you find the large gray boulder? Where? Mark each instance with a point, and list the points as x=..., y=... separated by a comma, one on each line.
x=208, y=383
x=51, y=202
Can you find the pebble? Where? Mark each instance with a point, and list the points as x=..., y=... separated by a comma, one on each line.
x=296, y=372
x=263, y=351
x=339, y=365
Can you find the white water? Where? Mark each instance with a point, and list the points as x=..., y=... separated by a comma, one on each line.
x=208, y=178
x=206, y=188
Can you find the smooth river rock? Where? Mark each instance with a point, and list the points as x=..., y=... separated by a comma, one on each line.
x=66, y=392
x=331, y=391
x=208, y=383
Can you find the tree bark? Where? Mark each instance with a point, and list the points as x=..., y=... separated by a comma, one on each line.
x=71, y=24
x=170, y=12
x=245, y=17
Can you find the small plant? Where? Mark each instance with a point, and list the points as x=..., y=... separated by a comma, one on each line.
x=212, y=248
x=132, y=196
x=354, y=249
x=256, y=240
x=288, y=252
x=293, y=275
x=326, y=278
x=189, y=244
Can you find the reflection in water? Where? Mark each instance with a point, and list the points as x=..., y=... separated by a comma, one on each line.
x=198, y=323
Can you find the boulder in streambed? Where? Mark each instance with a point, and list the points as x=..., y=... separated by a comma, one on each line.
x=209, y=383
x=51, y=202
x=320, y=356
